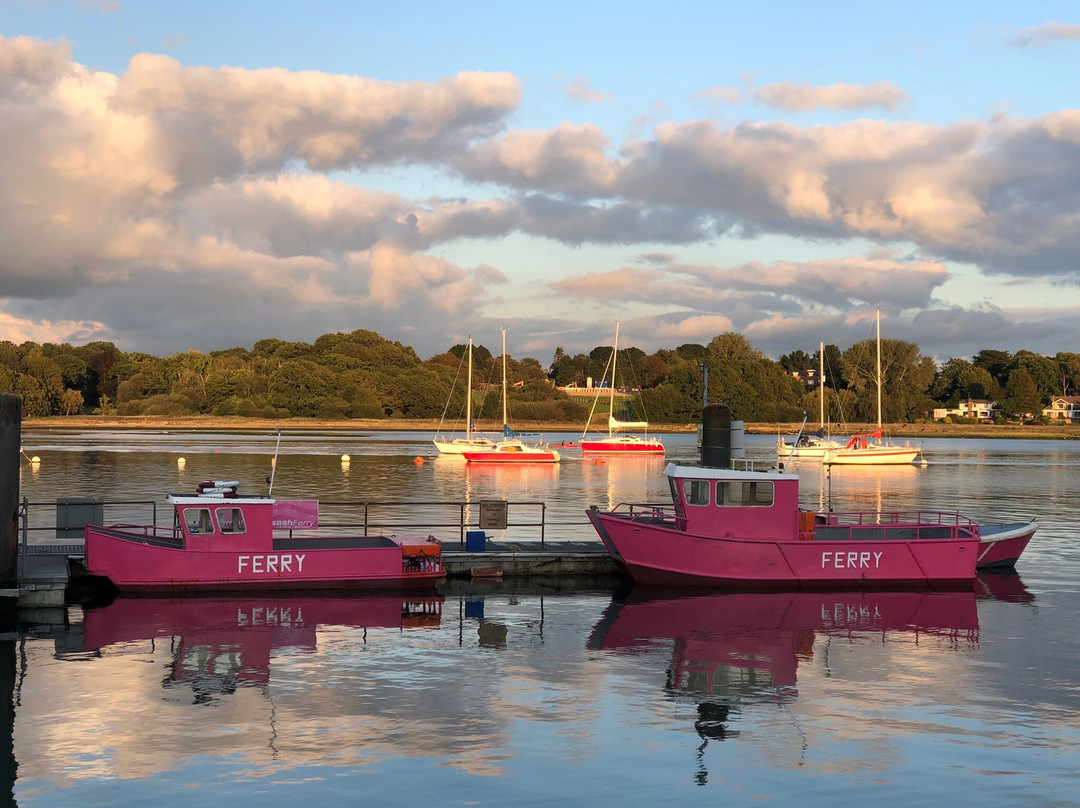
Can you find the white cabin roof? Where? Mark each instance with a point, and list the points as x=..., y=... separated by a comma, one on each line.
x=208, y=501
x=703, y=473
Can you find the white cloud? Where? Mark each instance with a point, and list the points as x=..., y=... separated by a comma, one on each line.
x=123, y=194
x=801, y=97
x=1044, y=34
x=581, y=89
x=812, y=286
x=263, y=119
x=20, y=329
x=728, y=96
x=571, y=158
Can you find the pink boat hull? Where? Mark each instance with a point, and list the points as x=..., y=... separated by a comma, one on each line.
x=360, y=562
x=656, y=554
x=1002, y=545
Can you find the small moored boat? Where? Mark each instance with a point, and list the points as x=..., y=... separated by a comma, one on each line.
x=222, y=541
x=615, y=444
x=510, y=449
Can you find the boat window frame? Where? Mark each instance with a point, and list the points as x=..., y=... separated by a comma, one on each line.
x=751, y=494
x=691, y=487
x=237, y=523
x=201, y=524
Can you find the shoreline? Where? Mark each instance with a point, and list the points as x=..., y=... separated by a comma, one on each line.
x=211, y=423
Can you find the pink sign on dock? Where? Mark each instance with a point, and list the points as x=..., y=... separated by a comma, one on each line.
x=296, y=514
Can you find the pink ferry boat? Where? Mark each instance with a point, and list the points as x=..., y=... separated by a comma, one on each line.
x=221, y=541
x=743, y=527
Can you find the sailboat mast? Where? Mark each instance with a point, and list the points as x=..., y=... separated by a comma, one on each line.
x=505, y=421
x=821, y=381
x=879, y=371
x=468, y=395
x=614, y=356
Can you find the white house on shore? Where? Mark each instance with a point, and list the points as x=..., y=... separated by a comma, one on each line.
x=1063, y=408
x=978, y=408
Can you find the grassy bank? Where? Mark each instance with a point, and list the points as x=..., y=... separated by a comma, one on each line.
x=237, y=424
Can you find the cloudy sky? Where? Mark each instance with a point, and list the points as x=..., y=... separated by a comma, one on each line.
x=207, y=174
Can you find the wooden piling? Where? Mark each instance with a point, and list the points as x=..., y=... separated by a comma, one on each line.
x=10, y=450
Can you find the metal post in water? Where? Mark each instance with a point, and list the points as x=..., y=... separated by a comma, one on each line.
x=273, y=466
x=716, y=436
x=10, y=458
x=828, y=477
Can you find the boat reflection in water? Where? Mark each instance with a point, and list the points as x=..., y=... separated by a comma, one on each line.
x=225, y=643
x=730, y=650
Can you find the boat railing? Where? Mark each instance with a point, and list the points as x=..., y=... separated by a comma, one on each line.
x=897, y=525
x=149, y=531
x=755, y=464
x=386, y=517
x=647, y=512
x=44, y=525
x=63, y=520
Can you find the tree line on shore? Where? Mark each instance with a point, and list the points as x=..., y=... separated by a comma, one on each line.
x=362, y=375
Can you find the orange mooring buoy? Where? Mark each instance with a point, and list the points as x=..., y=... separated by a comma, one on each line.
x=419, y=460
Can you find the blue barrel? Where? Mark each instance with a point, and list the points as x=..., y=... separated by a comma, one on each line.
x=475, y=541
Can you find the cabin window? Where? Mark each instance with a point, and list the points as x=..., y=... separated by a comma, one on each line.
x=762, y=494
x=746, y=494
x=230, y=520
x=697, y=492
x=198, y=520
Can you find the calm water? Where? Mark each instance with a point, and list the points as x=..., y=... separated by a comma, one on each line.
x=539, y=694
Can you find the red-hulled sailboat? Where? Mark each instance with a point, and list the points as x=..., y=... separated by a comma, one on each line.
x=616, y=444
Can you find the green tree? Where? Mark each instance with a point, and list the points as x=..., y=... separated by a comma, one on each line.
x=691, y=351
x=50, y=379
x=753, y=386
x=34, y=395
x=996, y=363
x=906, y=377
x=1069, y=365
x=1022, y=396
x=298, y=386
x=959, y=379
x=100, y=358
x=1044, y=372
x=834, y=367
x=797, y=361
x=71, y=402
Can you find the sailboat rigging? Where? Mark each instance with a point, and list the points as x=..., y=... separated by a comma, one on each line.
x=615, y=444
x=458, y=446
x=510, y=449
x=814, y=446
x=868, y=450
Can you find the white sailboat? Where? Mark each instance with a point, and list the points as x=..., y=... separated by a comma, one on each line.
x=458, y=446
x=868, y=450
x=510, y=449
x=811, y=446
x=614, y=443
